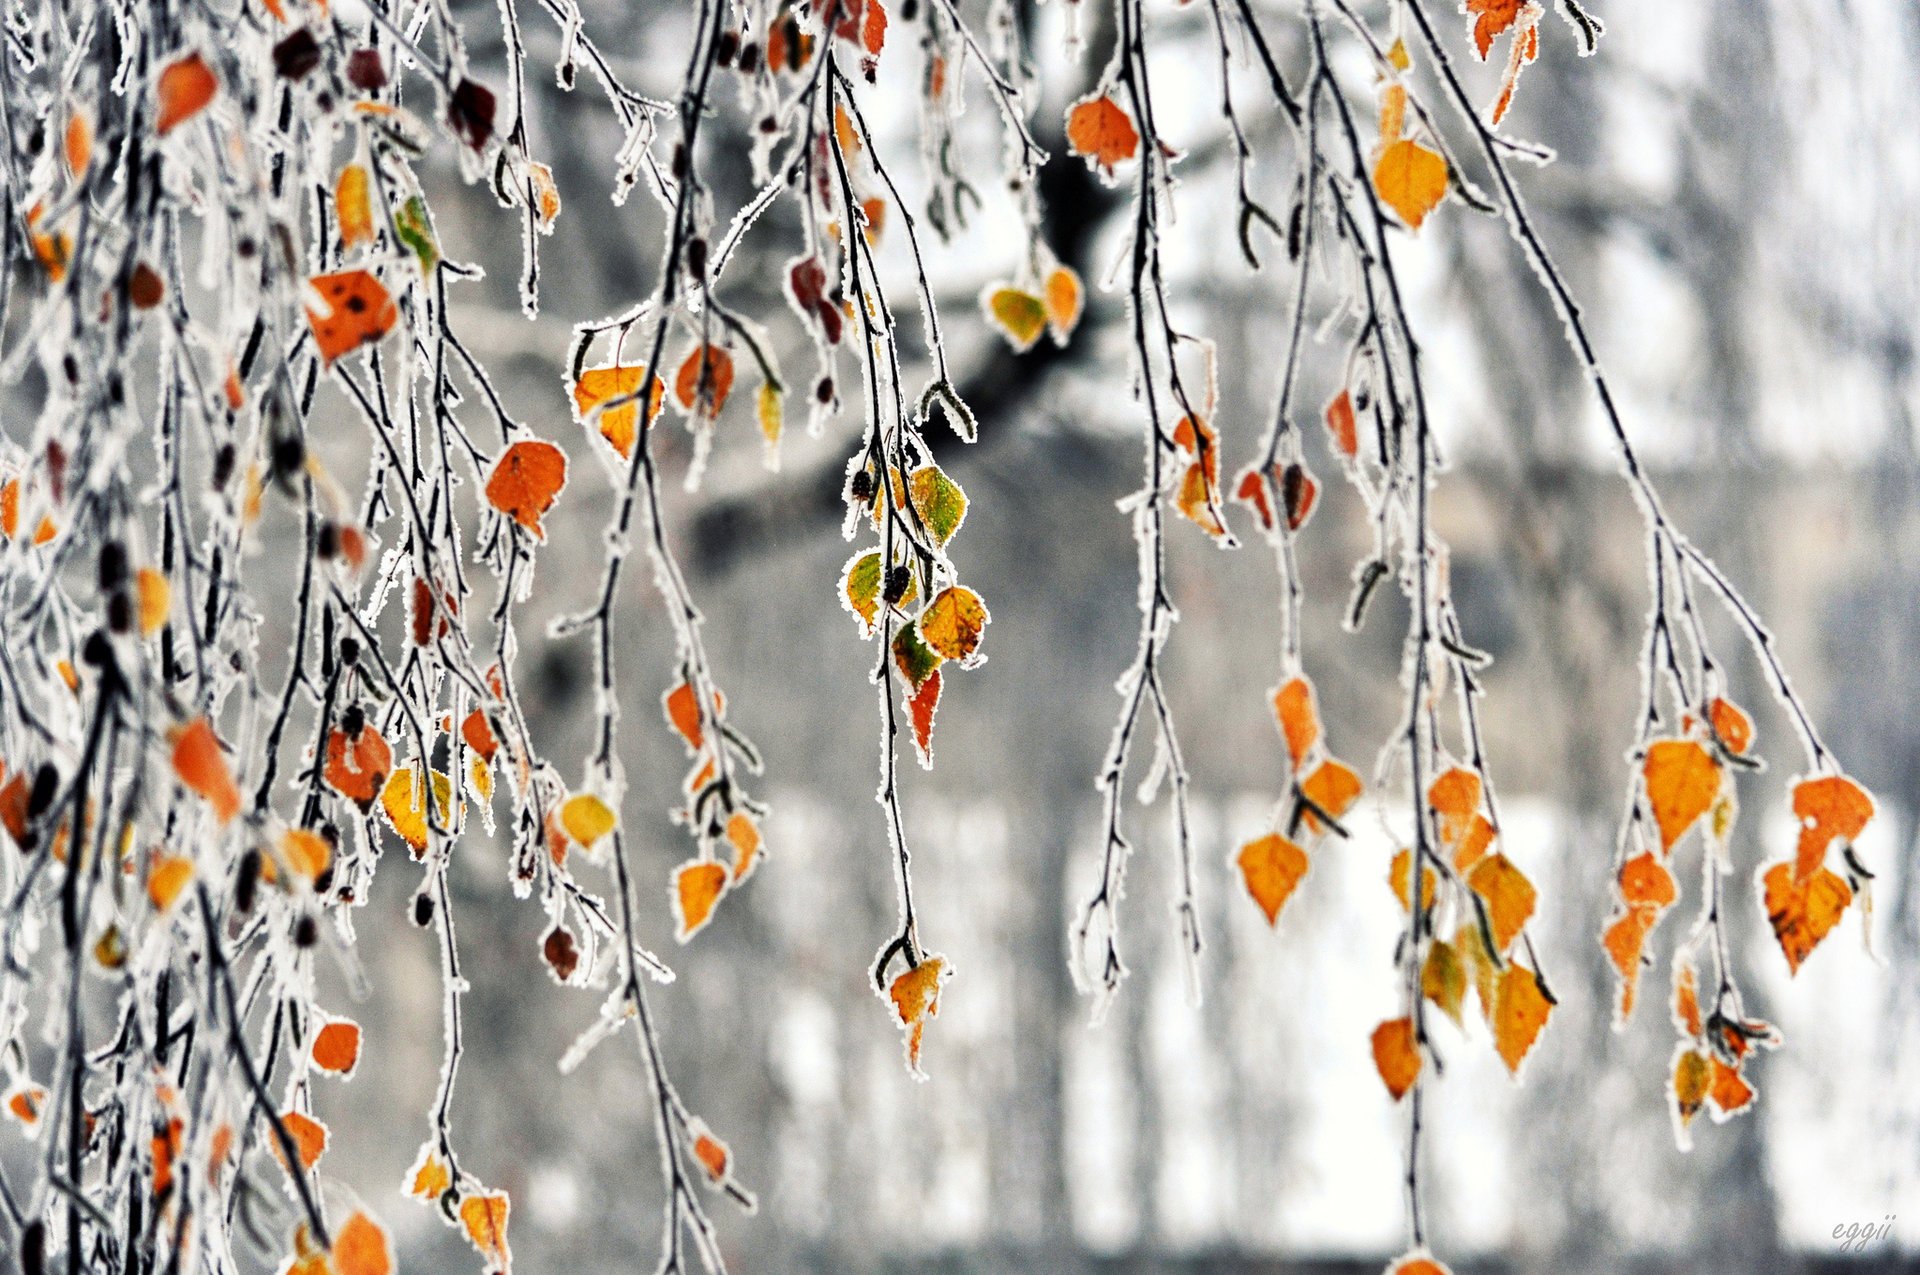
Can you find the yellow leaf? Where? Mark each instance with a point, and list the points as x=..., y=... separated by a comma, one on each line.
x=1020, y=316
x=586, y=818
x=1396, y=1056
x=154, y=599
x=1520, y=1010
x=953, y=623
x=353, y=206
x=484, y=1217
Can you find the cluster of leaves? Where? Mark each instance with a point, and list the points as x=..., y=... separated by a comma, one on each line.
x=184, y=840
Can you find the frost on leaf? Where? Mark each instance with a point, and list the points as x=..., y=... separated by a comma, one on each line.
x=697, y=887
x=1829, y=808
x=1682, y=780
x=1520, y=1011
x=1803, y=911
x=1509, y=897
x=1271, y=867
x=586, y=818
x=953, y=623
x=483, y=1216
x=619, y=385
x=526, y=480
x=1332, y=788
x=1102, y=133
x=336, y=1047
x=1293, y=706
x=1020, y=316
x=357, y=764
x=915, y=995
x=362, y=1247
x=1410, y=179
x=359, y=312
x=703, y=382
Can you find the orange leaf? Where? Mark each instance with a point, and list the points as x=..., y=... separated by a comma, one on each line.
x=526, y=480
x=336, y=1048
x=201, y=766
x=705, y=378
x=1198, y=501
x=478, y=732
x=1803, y=912
x=484, y=1217
x=1475, y=844
x=360, y=312
x=1682, y=780
x=953, y=624
x=916, y=998
x=1729, y=1093
x=1398, y=873
x=1686, y=1000
x=598, y=385
x=362, y=1247
x=184, y=89
x=1271, y=867
x=307, y=852
x=1623, y=941
x=920, y=710
x=79, y=143
x=1418, y=1262
x=1299, y=721
x=743, y=833
x=1455, y=798
x=1731, y=724
x=429, y=1177
x=1830, y=808
x=154, y=598
x=1396, y=1056
x=1644, y=880
x=1491, y=18
x=25, y=1103
x=1411, y=179
x=1102, y=133
x=1520, y=1011
x=1064, y=299
x=683, y=712
x=1509, y=896
x=166, y=879
x=1333, y=787
x=873, y=28
x=358, y=766
x=697, y=886
x=309, y=1137
x=1342, y=426
x=712, y=1155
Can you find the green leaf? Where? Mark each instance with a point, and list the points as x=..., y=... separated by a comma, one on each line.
x=414, y=225
x=938, y=500
x=916, y=660
x=860, y=586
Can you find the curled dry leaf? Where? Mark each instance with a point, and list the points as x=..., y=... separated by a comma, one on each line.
x=704, y=380
x=915, y=995
x=618, y=384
